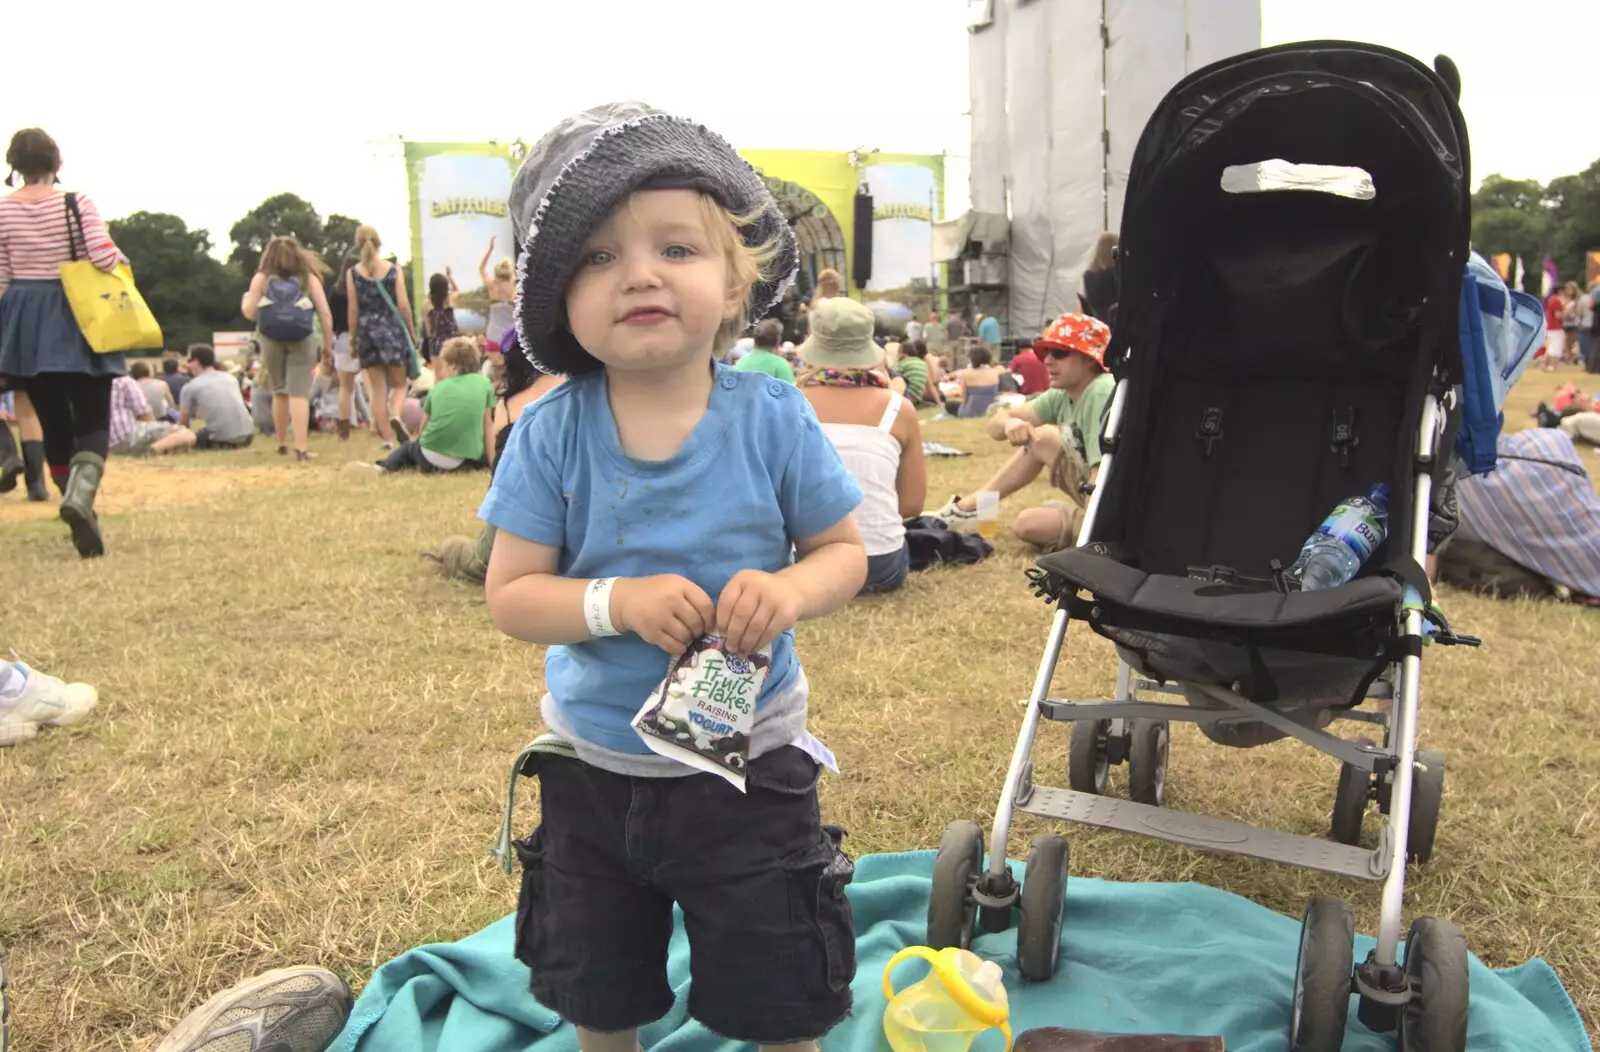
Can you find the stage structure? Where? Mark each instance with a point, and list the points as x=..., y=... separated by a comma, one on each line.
x=458, y=201
x=1061, y=90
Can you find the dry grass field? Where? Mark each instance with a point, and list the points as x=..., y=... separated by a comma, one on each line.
x=303, y=730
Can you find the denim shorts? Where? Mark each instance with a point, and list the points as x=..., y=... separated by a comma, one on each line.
x=760, y=880
x=887, y=572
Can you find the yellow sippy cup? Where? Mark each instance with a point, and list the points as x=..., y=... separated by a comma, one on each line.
x=962, y=997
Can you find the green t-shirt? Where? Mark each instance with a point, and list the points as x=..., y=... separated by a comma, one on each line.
x=915, y=373
x=761, y=360
x=455, y=409
x=1080, y=419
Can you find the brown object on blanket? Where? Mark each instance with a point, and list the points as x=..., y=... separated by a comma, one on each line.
x=1059, y=1039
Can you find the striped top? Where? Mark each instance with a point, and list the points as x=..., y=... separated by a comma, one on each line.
x=1541, y=512
x=128, y=404
x=33, y=237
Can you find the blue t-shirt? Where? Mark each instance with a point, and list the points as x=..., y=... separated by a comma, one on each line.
x=754, y=475
x=989, y=330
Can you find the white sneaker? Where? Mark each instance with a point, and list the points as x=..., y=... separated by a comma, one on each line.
x=45, y=701
x=956, y=517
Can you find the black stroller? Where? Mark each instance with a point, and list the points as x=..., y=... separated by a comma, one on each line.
x=1277, y=350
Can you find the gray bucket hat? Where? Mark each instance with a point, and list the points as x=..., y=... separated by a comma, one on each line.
x=574, y=176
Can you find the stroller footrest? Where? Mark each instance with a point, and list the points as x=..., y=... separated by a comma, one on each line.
x=1219, y=835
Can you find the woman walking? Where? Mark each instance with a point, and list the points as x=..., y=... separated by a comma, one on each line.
x=284, y=297
x=42, y=352
x=381, y=332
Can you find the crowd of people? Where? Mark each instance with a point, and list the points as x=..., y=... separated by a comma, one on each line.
x=659, y=283
x=623, y=432
x=1572, y=327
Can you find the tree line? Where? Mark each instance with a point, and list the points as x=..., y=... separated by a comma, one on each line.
x=1530, y=220
x=191, y=293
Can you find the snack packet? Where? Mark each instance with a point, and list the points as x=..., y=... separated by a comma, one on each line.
x=702, y=713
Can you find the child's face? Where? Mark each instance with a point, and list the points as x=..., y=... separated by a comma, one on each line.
x=442, y=369
x=651, y=289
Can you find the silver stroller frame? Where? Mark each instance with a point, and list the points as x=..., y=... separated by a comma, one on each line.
x=1381, y=981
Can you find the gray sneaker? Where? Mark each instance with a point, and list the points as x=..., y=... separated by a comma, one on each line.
x=299, y=1009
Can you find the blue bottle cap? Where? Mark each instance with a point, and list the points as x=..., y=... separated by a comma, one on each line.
x=1380, y=495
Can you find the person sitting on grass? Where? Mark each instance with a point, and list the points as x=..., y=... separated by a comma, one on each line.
x=134, y=429
x=1059, y=431
x=910, y=376
x=764, y=356
x=873, y=428
x=156, y=393
x=457, y=427
x=214, y=396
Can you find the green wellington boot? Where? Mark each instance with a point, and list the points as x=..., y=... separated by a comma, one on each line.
x=33, y=465
x=77, y=505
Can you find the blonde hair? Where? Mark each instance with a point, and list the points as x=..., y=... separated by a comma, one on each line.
x=747, y=264
x=367, y=245
x=1103, y=248
x=504, y=269
x=461, y=352
x=829, y=285
x=287, y=258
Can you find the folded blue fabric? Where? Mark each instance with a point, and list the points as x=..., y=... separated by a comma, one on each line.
x=1135, y=958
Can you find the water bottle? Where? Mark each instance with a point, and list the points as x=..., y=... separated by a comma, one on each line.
x=1346, y=539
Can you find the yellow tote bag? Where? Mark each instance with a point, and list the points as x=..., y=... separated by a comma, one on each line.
x=111, y=314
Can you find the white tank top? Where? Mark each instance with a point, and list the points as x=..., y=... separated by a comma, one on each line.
x=872, y=455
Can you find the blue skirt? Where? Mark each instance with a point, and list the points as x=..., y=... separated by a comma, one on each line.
x=38, y=334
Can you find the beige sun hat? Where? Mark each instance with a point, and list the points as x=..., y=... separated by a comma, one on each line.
x=841, y=336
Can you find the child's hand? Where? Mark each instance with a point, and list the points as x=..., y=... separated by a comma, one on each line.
x=666, y=610
x=754, y=609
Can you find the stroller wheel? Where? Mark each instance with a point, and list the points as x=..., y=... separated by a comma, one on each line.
x=1087, y=764
x=1147, y=762
x=1427, y=792
x=1322, y=977
x=1350, y=801
x=1043, y=905
x=950, y=903
x=1436, y=962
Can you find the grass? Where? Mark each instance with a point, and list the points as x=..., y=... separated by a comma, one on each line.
x=303, y=731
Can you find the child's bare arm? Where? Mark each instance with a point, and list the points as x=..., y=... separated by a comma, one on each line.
x=529, y=600
x=757, y=606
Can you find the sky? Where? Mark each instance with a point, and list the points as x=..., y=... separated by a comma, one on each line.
x=195, y=113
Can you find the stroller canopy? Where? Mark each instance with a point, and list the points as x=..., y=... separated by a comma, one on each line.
x=1324, y=103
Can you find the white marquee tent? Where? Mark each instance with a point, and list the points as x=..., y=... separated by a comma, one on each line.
x=1061, y=90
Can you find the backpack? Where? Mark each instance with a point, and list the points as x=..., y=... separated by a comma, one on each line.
x=1500, y=329
x=285, y=312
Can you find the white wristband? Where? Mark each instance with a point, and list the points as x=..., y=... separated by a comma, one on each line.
x=597, y=607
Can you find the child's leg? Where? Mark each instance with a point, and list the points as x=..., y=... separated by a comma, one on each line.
x=594, y=1041
x=771, y=943
x=591, y=928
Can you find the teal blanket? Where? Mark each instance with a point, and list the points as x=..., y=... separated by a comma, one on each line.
x=1146, y=958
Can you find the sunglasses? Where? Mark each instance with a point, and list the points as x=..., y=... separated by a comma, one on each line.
x=1056, y=353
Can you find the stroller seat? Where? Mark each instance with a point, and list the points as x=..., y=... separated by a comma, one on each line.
x=1204, y=606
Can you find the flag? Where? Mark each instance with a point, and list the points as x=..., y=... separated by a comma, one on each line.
x=1552, y=277
x=1502, y=264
